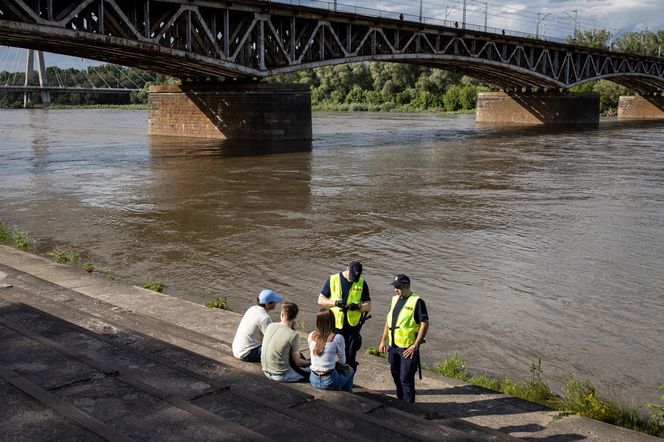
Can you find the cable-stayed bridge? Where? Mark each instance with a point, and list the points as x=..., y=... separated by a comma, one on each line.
x=38, y=80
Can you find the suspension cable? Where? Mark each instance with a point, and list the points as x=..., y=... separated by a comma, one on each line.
x=100, y=77
x=122, y=72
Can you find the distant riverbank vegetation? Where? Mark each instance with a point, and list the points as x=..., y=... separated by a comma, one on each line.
x=376, y=87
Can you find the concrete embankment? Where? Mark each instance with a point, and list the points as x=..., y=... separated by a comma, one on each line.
x=83, y=357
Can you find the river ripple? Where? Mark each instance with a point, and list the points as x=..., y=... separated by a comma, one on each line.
x=524, y=243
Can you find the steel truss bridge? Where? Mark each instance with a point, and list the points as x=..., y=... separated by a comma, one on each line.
x=256, y=39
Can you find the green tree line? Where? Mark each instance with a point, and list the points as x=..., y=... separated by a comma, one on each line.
x=386, y=87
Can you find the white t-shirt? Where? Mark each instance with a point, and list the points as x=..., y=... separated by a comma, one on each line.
x=335, y=350
x=249, y=334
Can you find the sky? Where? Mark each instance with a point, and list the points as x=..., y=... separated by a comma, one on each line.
x=552, y=18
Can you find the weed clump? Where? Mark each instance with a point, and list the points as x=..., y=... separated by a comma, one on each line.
x=154, y=285
x=220, y=302
x=374, y=351
x=657, y=414
x=483, y=380
x=452, y=367
x=534, y=389
x=66, y=256
x=13, y=237
x=88, y=267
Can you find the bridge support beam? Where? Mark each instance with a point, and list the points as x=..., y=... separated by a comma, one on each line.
x=641, y=108
x=233, y=111
x=526, y=109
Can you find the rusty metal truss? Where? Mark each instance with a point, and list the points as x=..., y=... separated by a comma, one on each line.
x=250, y=38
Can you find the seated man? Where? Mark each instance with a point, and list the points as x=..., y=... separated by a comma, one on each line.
x=281, y=359
x=249, y=334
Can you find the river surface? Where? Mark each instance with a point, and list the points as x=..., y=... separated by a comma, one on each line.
x=524, y=243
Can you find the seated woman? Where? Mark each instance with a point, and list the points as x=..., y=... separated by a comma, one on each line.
x=328, y=348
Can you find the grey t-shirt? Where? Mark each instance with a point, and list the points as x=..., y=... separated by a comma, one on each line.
x=278, y=344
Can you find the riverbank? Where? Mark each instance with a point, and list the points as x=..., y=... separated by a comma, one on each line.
x=441, y=398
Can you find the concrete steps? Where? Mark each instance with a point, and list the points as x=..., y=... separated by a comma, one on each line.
x=178, y=354
x=119, y=374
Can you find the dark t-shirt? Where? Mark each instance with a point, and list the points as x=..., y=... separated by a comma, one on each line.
x=420, y=314
x=345, y=288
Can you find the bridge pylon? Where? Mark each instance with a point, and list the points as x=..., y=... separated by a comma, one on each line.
x=641, y=107
x=41, y=73
x=231, y=110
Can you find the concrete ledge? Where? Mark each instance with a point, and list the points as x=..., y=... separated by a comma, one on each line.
x=567, y=109
x=66, y=291
x=641, y=108
x=232, y=111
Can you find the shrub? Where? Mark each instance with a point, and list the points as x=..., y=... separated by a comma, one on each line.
x=468, y=97
x=451, y=99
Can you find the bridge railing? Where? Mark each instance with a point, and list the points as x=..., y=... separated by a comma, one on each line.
x=397, y=15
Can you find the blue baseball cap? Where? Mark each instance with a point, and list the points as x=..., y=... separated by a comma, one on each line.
x=267, y=296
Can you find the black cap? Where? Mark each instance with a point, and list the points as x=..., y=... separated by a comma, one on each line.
x=400, y=280
x=354, y=271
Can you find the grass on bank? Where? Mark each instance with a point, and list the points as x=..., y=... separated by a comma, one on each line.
x=154, y=285
x=374, y=351
x=13, y=237
x=220, y=302
x=580, y=397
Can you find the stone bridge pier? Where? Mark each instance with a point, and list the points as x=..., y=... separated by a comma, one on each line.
x=541, y=108
x=639, y=107
x=230, y=110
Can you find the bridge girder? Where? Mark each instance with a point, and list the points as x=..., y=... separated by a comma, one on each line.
x=256, y=39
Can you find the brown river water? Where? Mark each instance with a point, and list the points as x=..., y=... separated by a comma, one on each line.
x=525, y=243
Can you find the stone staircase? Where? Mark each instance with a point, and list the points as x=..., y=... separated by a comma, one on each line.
x=86, y=358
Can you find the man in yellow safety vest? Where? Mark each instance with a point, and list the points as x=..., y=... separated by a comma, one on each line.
x=347, y=295
x=406, y=326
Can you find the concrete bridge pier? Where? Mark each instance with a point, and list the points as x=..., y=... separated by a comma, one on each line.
x=641, y=108
x=230, y=110
x=538, y=108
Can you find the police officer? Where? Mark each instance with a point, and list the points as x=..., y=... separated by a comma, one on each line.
x=346, y=294
x=406, y=326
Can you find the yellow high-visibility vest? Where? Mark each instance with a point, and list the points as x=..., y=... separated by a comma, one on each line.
x=354, y=296
x=406, y=328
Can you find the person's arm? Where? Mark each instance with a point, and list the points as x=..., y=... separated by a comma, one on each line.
x=325, y=295
x=366, y=298
x=410, y=351
x=323, y=301
x=382, y=347
x=295, y=353
x=341, y=348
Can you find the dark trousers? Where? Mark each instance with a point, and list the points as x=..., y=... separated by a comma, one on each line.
x=403, y=372
x=353, y=342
